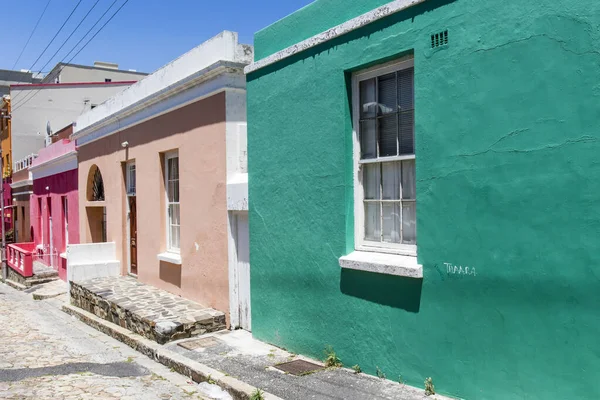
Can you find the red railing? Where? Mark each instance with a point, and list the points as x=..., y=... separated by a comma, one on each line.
x=20, y=258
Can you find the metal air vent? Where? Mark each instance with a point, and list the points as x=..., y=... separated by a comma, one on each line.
x=439, y=39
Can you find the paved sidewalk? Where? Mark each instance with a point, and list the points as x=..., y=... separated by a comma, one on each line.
x=46, y=354
x=240, y=356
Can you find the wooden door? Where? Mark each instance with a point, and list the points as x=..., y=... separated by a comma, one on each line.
x=132, y=235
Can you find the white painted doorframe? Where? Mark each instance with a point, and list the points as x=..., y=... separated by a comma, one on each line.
x=239, y=271
x=128, y=166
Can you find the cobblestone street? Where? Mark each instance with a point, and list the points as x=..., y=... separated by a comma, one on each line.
x=46, y=354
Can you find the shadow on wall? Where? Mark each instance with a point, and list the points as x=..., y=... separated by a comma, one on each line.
x=170, y=273
x=389, y=290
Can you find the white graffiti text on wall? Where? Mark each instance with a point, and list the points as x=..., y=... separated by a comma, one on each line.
x=452, y=269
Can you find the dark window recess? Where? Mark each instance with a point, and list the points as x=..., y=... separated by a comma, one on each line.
x=94, y=106
x=439, y=39
x=108, y=80
x=97, y=187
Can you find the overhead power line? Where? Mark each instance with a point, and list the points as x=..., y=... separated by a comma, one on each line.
x=55, y=35
x=31, y=35
x=30, y=95
x=81, y=49
x=66, y=40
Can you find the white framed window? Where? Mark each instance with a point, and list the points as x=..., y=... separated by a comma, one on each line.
x=130, y=178
x=172, y=201
x=384, y=158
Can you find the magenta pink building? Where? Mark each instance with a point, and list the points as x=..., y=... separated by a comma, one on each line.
x=54, y=212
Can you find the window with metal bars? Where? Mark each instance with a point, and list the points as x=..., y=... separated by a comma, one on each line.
x=386, y=161
x=97, y=186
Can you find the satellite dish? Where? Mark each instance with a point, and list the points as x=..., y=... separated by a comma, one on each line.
x=48, y=134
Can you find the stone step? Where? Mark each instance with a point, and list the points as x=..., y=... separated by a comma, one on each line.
x=145, y=310
x=21, y=283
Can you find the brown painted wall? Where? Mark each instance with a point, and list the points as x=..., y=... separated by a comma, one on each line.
x=198, y=132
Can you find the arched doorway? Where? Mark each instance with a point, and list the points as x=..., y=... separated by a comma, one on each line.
x=96, y=208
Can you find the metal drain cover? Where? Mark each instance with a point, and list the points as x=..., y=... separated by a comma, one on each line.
x=198, y=343
x=299, y=367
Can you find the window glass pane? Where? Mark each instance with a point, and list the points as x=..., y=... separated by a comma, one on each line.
x=388, y=131
x=371, y=181
x=391, y=180
x=174, y=237
x=173, y=169
x=174, y=214
x=391, y=223
x=409, y=188
x=409, y=223
x=387, y=93
x=368, y=144
x=407, y=132
x=171, y=191
x=372, y=221
x=368, y=105
x=176, y=191
x=406, y=91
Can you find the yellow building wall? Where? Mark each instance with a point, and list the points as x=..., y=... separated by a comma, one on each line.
x=5, y=138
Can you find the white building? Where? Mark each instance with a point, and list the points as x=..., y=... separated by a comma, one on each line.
x=68, y=91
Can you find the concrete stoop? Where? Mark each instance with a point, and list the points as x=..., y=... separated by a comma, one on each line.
x=40, y=276
x=150, y=312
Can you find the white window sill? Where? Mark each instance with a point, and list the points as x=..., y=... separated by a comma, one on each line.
x=63, y=255
x=381, y=263
x=170, y=257
x=39, y=247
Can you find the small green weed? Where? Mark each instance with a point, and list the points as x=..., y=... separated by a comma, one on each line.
x=331, y=359
x=257, y=395
x=429, y=388
x=357, y=369
x=380, y=373
x=157, y=377
x=211, y=380
x=401, y=380
x=129, y=360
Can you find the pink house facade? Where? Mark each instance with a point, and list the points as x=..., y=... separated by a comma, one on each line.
x=54, y=212
x=162, y=174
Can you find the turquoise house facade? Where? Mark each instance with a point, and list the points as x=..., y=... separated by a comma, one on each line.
x=424, y=191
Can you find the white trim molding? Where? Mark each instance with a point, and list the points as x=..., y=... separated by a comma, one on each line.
x=339, y=30
x=63, y=163
x=170, y=257
x=20, y=184
x=210, y=68
x=381, y=263
x=223, y=76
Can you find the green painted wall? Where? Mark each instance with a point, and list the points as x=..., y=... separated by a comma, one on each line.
x=315, y=18
x=508, y=171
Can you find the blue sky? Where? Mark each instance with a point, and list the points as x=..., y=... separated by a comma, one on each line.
x=144, y=35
